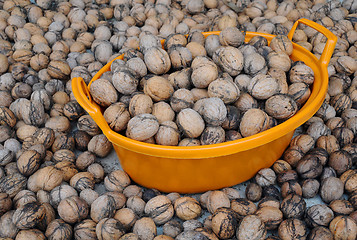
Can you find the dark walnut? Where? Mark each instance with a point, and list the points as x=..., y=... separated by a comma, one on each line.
x=29, y=215
x=58, y=229
x=85, y=229
x=292, y=229
x=224, y=223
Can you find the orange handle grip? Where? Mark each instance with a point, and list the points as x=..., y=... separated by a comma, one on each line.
x=82, y=95
x=331, y=39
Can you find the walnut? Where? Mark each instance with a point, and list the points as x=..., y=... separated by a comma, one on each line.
x=73, y=209
x=29, y=215
x=300, y=72
x=157, y=60
x=279, y=60
x=230, y=59
x=253, y=121
x=251, y=227
x=82, y=180
x=281, y=106
x=85, y=229
x=291, y=228
x=282, y=43
x=100, y=145
x=117, y=116
x=224, y=89
x=190, y=122
x=204, y=71
x=159, y=209
x=59, y=229
x=181, y=98
x=180, y=56
x=158, y=88
x=46, y=178
x=187, y=208
x=109, y=228
x=145, y=228
x=103, y=92
x=224, y=222
x=116, y=181
x=61, y=192
x=12, y=184
x=167, y=134
x=263, y=87
x=124, y=81
x=231, y=36
x=142, y=127
x=181, y=79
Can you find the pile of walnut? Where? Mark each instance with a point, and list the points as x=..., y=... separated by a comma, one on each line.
x=51, y=168
x=203, y=91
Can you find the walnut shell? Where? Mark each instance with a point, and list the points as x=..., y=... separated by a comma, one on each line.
x=46, y=178
x=6, y=203
x=29, y=215
x=251, y=227
x=279, y=60
x=291, y=228
x=281, y=106
x=85, y=230
x=103, y=92
x=282, y=43
x=145, y=228
x=204, y=71
x=181, y=79
x=271, y=216
x=157, y=60
x=140, y=104
x=187, y=208
x=167, y=134
x=12, y=184
x=230, y=59
x=58, y=69
x=100, y=145
x=61, y=192
x=109, y=228
x=142, y=127
x=159, y=209
x=117, y=116
x=253, y=121
x=190, y=122
x=300, y=72
x=59, y=229
x=82, y=180
x=158, y=88
x=224, y=223
x=224, y=89
x=138, y=65
x=343, y=227
x=73, y=209
x=263, y=86
x=231, y=36
x=331, y=189
x=216, y=200
x=181, y=98
x=124, y=81
x=180, y=56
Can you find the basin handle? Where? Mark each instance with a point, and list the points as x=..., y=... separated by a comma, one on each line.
x=330, y=43
x=82, y=95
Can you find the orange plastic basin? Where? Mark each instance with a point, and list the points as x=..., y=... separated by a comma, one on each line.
x=202, y=168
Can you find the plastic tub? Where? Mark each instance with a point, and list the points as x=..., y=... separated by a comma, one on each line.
x=202, y=168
